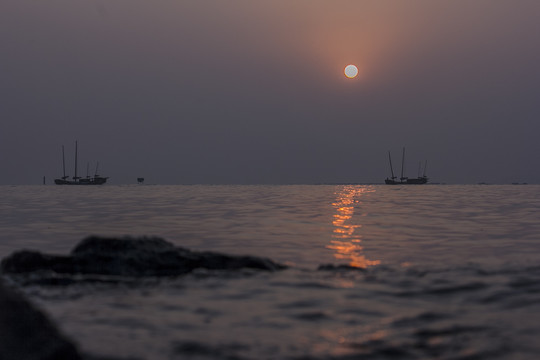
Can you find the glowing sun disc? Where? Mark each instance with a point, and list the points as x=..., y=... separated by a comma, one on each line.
x=350, y=71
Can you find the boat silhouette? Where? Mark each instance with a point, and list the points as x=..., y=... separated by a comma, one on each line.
x=77, y=180
x=403, y=180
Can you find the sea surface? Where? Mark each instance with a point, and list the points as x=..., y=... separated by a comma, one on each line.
x=435, y=271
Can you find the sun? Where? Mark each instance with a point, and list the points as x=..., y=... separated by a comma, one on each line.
x=351, y=71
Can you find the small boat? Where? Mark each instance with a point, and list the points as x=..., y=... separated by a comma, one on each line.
x=77, y=180
x=405, y=180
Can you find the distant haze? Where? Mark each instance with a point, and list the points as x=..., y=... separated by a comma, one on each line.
x=243, y=92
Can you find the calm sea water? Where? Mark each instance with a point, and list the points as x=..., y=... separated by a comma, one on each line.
x=444, y=271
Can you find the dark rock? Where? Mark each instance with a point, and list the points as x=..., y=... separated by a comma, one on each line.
x=28, y=261
x=27, y=334
x=199, y=350
x=130, y=257
x=332, y=267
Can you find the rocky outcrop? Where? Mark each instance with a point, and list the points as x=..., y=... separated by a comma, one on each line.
x=27, y=334
x=130, y=257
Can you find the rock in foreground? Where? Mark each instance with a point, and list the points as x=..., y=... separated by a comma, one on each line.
x=130, y=257
x=27, y=334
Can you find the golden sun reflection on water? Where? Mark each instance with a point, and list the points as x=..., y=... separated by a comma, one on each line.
x=345, y=239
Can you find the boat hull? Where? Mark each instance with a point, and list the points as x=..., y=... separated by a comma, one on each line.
x=416, y=181
x=92, y=181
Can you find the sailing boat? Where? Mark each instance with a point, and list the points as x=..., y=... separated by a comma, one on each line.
x=77, y=180
x=405, y=180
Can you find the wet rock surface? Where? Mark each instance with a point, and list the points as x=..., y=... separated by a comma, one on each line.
x=130, y=257
x=27, y=334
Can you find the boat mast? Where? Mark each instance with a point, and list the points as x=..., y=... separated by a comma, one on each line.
x=425, y=167
x=63, y=164
x=391, y=168
x=402, y=164
x=75, y=177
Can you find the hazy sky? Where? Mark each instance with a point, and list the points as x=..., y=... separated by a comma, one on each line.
x=249, y=91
